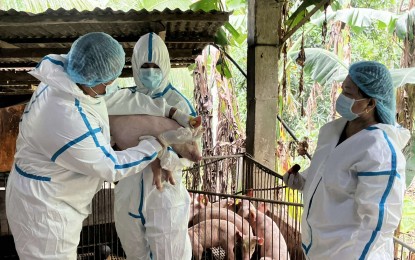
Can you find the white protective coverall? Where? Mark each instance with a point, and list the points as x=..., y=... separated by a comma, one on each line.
x=353, y=193
x=63, y=155
x=153, y=224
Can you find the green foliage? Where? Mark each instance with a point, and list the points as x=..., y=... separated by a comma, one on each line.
x=148, y=4
x=163, y=4
x=238, y=80
x=182, y=79
x=223, y=68
x=360, y=18
x=323, y=66
x=405, y=25
x=221, y=38
x=339, y=4
x=408, y=222
x=39, y=6
x=374, y=4
x=409, y=153
x=205, y=5
x=300, y=12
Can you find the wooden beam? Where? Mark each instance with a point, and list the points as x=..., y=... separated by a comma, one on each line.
x=21, y=53
x=129, y=38
x=4, y=92
x=22, y=79
x=16, y=76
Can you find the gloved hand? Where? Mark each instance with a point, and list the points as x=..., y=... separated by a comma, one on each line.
x=157, y=170
x=186, y=120
x=293, y=178
x=179, y=136
x=169, y=160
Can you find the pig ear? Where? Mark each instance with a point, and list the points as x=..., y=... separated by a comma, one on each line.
x=200, y=198
x=203, y=199
x=250, y=193
x=252, y=214
x=260, y=241
x=263, y=207
x=198, y=132
x=239, y=235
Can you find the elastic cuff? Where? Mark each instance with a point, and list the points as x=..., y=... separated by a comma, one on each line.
x=167, y=110
x=157, y=146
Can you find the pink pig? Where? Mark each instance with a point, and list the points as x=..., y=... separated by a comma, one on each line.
x=199, y=202
x=215, y=233
x=126, y=130
x=224, y=203
x=274, y=243
x=222, y=213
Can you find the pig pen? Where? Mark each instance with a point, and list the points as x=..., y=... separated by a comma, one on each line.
x=229, y=187
x=233, y=180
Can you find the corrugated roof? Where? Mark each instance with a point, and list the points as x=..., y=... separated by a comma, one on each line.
x=25, y=37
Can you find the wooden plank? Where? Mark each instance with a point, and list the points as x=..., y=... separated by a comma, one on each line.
x=21, y=53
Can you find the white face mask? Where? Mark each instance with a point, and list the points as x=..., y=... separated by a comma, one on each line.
x=344, y=107
x=150, y=77
x=109, y=89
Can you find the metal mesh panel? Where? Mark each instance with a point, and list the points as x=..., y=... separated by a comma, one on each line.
x=241, y=180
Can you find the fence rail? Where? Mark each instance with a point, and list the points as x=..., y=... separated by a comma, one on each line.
x=403, y=251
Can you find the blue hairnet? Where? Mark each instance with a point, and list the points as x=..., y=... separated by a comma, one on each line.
x=95, y=58
x=375, y=80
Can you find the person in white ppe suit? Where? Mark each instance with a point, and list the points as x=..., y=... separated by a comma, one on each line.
x=153, y=224
x=353, y=190
x=63, y=153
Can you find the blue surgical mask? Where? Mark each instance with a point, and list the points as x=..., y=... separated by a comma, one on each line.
x=109, y=89
x=344, y=107
x=150, y=77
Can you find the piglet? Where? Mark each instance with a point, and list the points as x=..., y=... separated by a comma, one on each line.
x=244, y=207
x=263, y=226
x=127, y=129
x=199, y=203
x=215, y=233
x=222, y=213
x=224, y=203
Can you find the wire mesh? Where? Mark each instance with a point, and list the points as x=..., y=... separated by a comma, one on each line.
x=253, y=199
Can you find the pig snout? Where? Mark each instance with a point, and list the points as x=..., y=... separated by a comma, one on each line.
x=188, y=150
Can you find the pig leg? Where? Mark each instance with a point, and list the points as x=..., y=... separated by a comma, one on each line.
x=197, y=248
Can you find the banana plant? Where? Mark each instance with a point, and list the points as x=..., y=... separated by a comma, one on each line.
x=324, y=67
x=41, y=6
x=148, y=5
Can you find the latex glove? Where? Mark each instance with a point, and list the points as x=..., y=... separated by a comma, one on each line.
x=186, y=120
x=293, y=178
x=157, y=174
x=169, y=160
x=179, y=136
